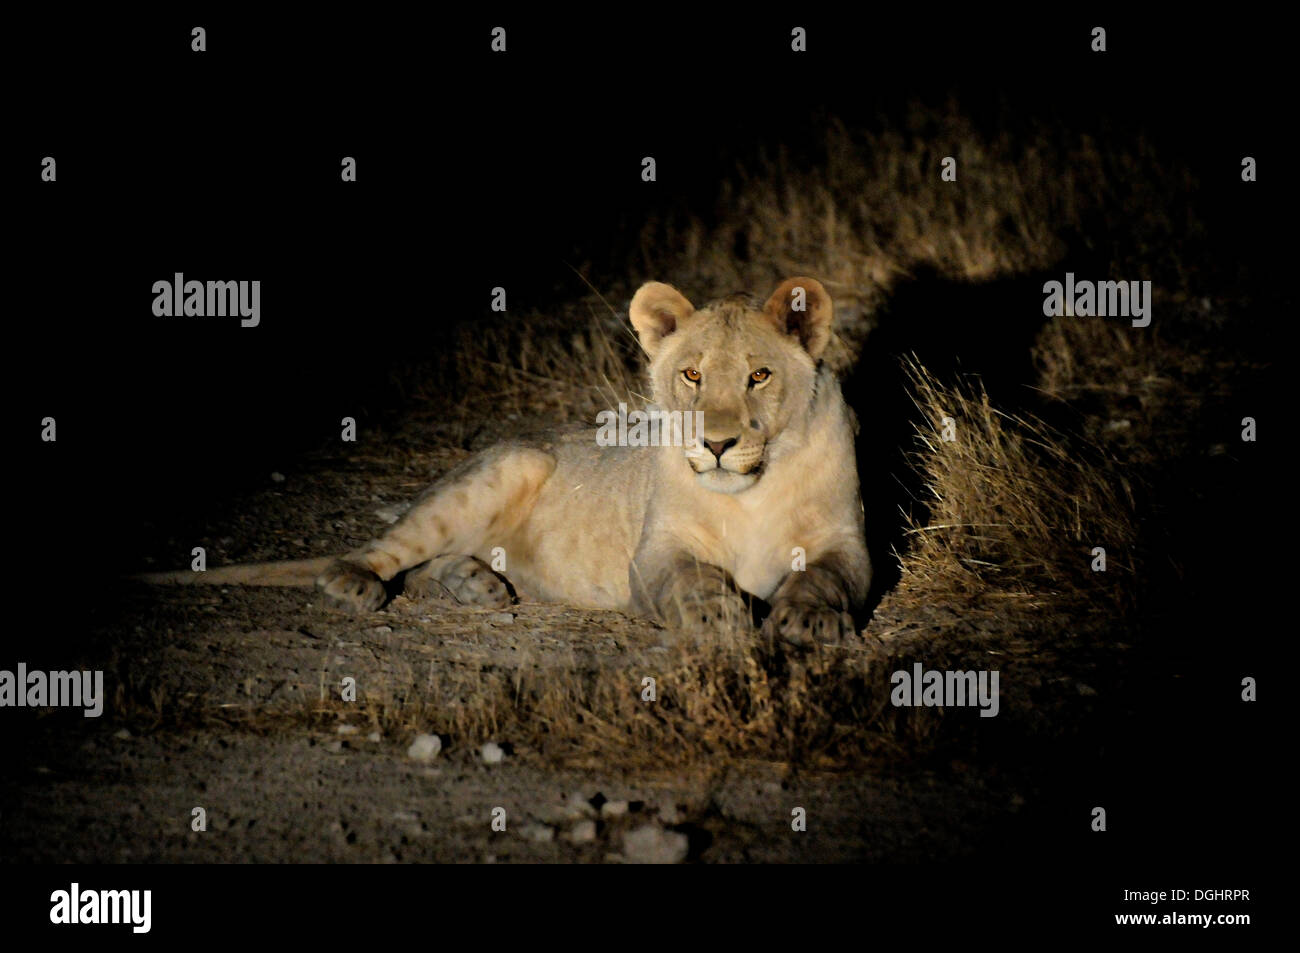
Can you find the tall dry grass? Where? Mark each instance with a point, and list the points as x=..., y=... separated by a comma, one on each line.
x=1013, y=504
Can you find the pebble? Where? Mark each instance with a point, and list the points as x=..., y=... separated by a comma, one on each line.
x=583, y=832
x=654, y=845
x=501, y=618
x=347, y=729
x=392, y=512
x=574, y=806
x=277, y=477
x=123, y=735
x=613, y=809
x=492, y=753
x=539, y=833
x=424, y=748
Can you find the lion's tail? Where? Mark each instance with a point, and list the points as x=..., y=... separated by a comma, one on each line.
x=293, y=572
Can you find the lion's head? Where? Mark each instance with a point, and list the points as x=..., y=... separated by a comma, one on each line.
x=749, y=368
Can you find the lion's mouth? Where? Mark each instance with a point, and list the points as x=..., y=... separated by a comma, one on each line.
x=720, y=479
x=719, y=467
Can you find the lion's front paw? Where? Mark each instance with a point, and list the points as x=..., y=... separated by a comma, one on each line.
x=465, y=579
x=806, y=625
x=710, y=612
x=352, y=586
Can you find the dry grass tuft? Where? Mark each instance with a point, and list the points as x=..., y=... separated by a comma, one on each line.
x=1014, y=505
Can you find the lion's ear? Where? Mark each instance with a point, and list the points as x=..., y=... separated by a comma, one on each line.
x=657, y=311
x=801, y=306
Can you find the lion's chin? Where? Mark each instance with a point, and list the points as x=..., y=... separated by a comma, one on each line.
x=726, y=481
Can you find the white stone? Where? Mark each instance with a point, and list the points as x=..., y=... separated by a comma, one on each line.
x=613, y=809
x=583, y=832
x=654, y=845
x=424, y=748
x=538, y=832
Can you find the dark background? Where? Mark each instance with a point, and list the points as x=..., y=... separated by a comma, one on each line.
x=477, y=170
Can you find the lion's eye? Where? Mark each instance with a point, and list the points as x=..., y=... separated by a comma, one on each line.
x=692, y=375
x=760, y=375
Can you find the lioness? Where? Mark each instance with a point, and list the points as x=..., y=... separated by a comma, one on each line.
x=763, y=500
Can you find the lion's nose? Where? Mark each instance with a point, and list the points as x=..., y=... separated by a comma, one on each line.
x=719, y=447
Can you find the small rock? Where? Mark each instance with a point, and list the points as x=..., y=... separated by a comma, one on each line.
x=123, y=735
x=654, y=845
x=492, y=753
x=1085, y=690
x=501, y=618
x=424, y=748
x=382, y=630
x=334, y=747
x=277, y=477
x=583, y=832
x=613, y=809
x=667, y=815
x=347, y=729
x=539, y=833
x=392, y=512
x=573, y=807
x=374, y=736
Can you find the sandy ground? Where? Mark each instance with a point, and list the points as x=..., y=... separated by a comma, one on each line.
x=224, y=698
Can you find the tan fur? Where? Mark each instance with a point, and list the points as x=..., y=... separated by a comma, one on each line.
x=676, y=533
x=298, y=572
